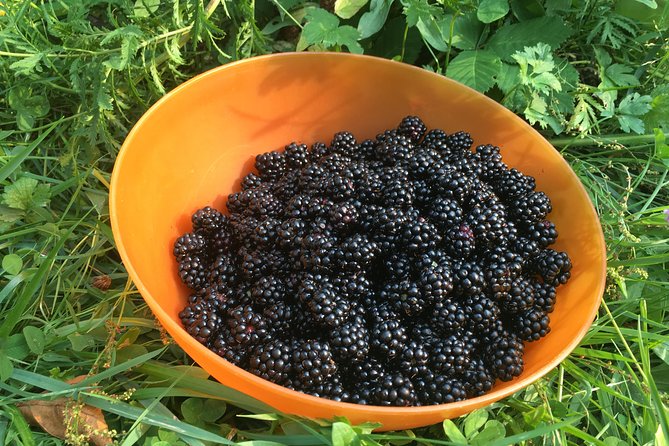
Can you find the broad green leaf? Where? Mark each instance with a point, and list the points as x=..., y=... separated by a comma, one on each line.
x=344, y=435
x=192, y=409
x=650, y=3
x=476, y=69
x=15, y=347
x=12, y=263
x=467, y=30
x=6, y=367
x=373, y=20
x=25, y=119
x=26, y=193
x=492, y=431
x=490, y=10
x=348, y=8
x=527, y=9
x=323, y=28
x=453, y=433
x=621, y=75
x=511, y=38
x=213, y=410
x=431, y=32
x=165, y=435
x=145, y=8
x=34, y=339
x=10, y=215
x=475, y=421
x=80, y=342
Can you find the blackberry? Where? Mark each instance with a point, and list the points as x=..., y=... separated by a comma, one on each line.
x=424, y=333
x=394, y=149
x=468, y=278
x=459, y=143
x=307, y=207
x=317, y=252
x=268, y=290
x=483, y=313
x=343, y=143
x=488, y=225
x=224, y=345
x=259, y=263
x=265, y=234
x=243, y=227
x=543, y=232
x=414, y=358
x=439, y=389
x=370, y=370
x=283, y=317
x=477, y=379
x=525, y=248
x=297, y=155
x=332, y=389
x=520, y=296
x=512, y=184
x=264, y=204
x=251, y=181
x=554, y=267
x=394, y=389
x=271, y=361
x=412, y=127
x=350, y=341
x=247, y=327
x=223, y=273
x=397, y=193
x=531, y=325
x=445, y=213
x=388, y=338
x=271, y=165
x=544, y=297
x=422, y=193
x=504, y=357
x=311, y=180
x=189, y=244
x=287, y=186
x=405, y=297
x=223, y=240
x=344, y=215
x=434, y=138
x=420, y=235
x=200, y=318
x=355, y=253
x=312, y=362
x=291, y=232
x=424, y=163
x=339, y=188
x=397, y=266
x=193, y=270
x=324, y=304
x=208, y=220
x=448, y=316
x=435, y=283
x=533, y=207
x=450, y=356
x=354, y=286
x=490, y=162
x=449, y=183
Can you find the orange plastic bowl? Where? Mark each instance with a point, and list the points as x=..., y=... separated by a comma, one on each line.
x=194, y=145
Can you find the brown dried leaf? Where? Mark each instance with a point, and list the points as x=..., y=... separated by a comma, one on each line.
x=53, y=416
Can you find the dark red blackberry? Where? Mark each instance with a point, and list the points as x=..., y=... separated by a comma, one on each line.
x=544, y=296
x=533, y=207
x=414, y=359
x=297, y=155
x=201, y=318
x=405, y=297
x=394, y=149
x=543, y=232
x=504, y=357
x=419, y=235
x=394, y=389
x=189, y=244
x=388, y=338
x=554, y=267
x=350, y=341
x=412, y=127
x=247, y=327
x=459, y=142
x=520, y=296
x=343, y=143
x=251, y=181
x=439, y=389
x=208, y=220
x=482, y=313
x=355, y=253
x=325, y=306
x=531, y=325
x=312, y=362
x=344, y=216
x=271, y=361
x=435, y=283
x=477, y=379
x=271, y=165
x=444, y=213
x=512, y=184
x=268, y=290
x=450, y=356
x=193, y=270
x=448, y=316
x=468, y=278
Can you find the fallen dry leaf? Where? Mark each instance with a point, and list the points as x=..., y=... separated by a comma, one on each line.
x=57, y=415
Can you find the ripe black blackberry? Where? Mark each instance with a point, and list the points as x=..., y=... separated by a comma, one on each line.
x=193, y=269
x=397, y=266
x=326, y=307
x=394, y=148
x=445, y=213
x=451, y=183
x=544, y=296
x=405, y=297
x=353, y=286
x=412, y=127
x=504, y=357
x=189, y=244
x=271, y=361
x=468, y=278
x=397, y=193
x=271, y=165
x=525, y=248
x=344, y=216
x=343, y=143
x=284, y=318
x=531, y=325
x=435, y=283
x=482, y=313
x=201, y=318
x=554, y=267
x=490, y=164
x=477, y=379
x=317, y=252
x=350, y=341
x=355, y=253
x=312, y=362
x=448, y=316
x=208, y=220
x=224, y=345
x=251, y=181
x=388, y=338
x=264, y=204
x=394, y=389
x=434, y=138
x=332, y=389
x=414, y=359
x=297, y=155
x=424, y=163
x=439, y=389
x=532, y=207
x=223, y=273
x=268, y=290
x=459, y=143
x=513, y=184
x=450, y=356
x=420, y=235
x=519, y=297
x=247, y=327
x=543, y=232
x=318, y=151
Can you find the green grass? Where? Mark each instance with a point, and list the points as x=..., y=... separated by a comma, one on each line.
x=76, y=75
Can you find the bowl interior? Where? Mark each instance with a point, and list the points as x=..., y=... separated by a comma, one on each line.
x=192, y=148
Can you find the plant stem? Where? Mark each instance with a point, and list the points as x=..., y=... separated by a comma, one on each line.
x=599, y=140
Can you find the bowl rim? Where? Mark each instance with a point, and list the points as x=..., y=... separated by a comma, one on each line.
x=166, y=320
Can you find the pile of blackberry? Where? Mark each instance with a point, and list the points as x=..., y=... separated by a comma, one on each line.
x=403, y=270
